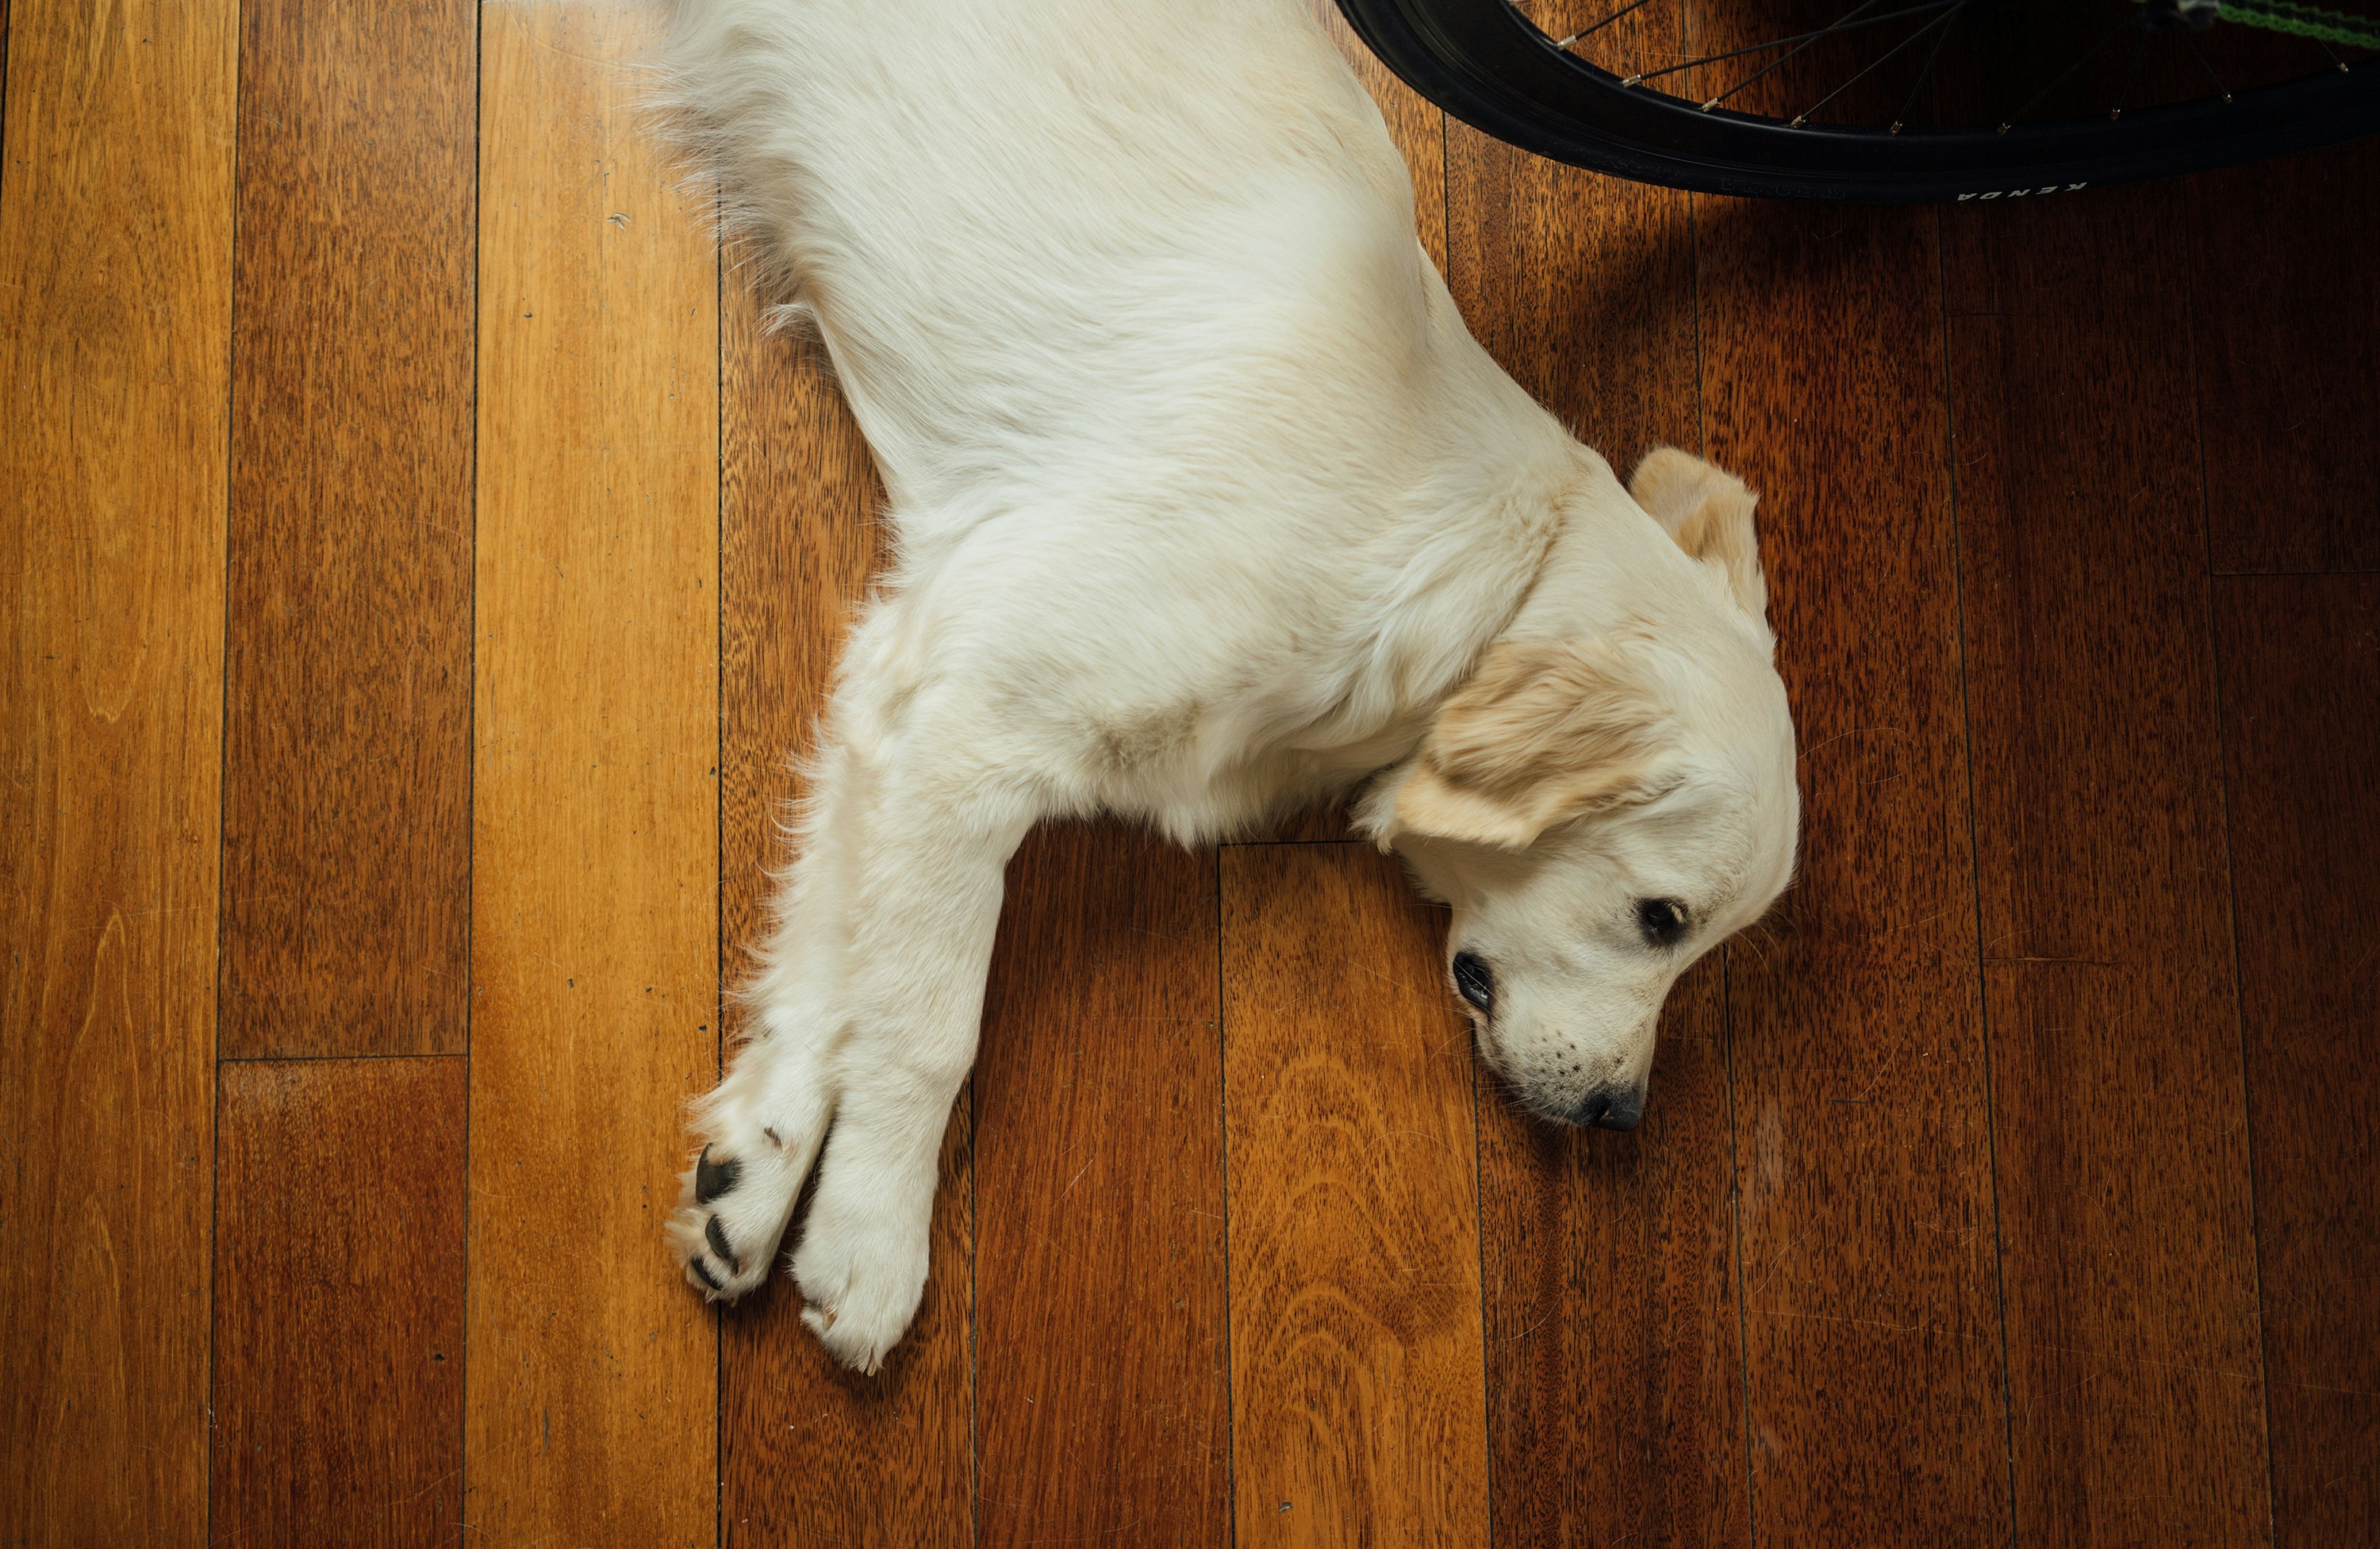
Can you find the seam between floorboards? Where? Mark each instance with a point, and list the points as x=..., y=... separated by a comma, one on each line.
x=1975, y=863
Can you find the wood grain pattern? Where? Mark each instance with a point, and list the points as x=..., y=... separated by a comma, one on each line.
x=1862, y=1154
x=2135, y=1388
x=2285, y=304
x=591, y=1414
x=2301, y=700
x=338, y=1302
x=1101, y=1338
x=1357, y=1410
x=116, y=249
x=1615, y=1375
x=347, y=859
x=810, y=1453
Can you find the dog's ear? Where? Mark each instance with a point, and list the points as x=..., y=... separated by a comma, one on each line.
x=1709, y=513
x=1541, y=735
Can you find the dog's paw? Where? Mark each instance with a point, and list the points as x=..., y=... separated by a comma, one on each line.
x=861, y=1278
x=730, y=1213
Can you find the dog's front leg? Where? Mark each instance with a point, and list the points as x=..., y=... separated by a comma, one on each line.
x=926, y=911
x=866, y=1016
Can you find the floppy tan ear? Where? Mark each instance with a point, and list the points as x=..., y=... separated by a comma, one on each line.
x=1542, y=733
x=1709, y=513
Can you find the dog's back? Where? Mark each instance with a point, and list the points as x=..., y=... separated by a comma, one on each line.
x=1010, y=216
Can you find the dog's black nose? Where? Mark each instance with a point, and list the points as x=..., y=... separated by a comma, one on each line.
x=1608, y=1107
x=1474, y=980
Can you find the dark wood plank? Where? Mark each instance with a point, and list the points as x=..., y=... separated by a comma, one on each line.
x=338, y=1302
x=347, y=766
x=2284, y=303
x=1862, y=1152
x=1102, y=1350
x=592, y=1403
x=1580, y=286
x=2128, y=1262
x=812, y=1453
x=1615, y=1370
x=115, y=260
x=2301, y=667
x=1357, y=1410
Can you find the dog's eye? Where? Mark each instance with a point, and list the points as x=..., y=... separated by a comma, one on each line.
x=1473, y=978
x=1662, y=920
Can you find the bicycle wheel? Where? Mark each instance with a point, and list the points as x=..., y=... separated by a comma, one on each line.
x=1890, y=101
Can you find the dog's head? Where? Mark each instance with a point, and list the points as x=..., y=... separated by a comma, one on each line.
x=1600, y=811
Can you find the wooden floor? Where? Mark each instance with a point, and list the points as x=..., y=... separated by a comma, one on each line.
x=419, y=564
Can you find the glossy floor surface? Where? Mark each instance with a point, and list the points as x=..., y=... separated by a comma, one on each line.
x=419, y=564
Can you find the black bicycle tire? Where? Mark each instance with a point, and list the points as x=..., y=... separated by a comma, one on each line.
x=1483, y=63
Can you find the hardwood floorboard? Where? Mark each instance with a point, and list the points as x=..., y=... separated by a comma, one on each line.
x=116, y=276
x=812, y=1453
x=1102, y=1350
x=1357, y=1407
x=1615, y=1373
x=1862, y=1148
x=338, y=1302
x=2300, y=670
x=593, y=1402
x=346, y=820
x=2285, y=304
x=2135, y=1386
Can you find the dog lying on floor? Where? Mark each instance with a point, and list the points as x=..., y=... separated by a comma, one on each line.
x=1208, y=506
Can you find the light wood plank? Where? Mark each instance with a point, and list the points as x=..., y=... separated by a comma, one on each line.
x=1862, y=1154
x=116, y=273
x=812, y=1452
x=1102, y=1350
x=339, y=1306
x=2136, y=1384
x=592, y=1412
x=1358, y=1408
x=346, y=829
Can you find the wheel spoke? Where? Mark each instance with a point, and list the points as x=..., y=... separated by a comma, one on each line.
x=1590, y=32
x=1803, y=39
x=2221, y=89
x=1918, y=84
x=1942, y=21
x=2113, y=33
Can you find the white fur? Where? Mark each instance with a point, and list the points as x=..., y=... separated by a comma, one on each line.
x=1205, y=500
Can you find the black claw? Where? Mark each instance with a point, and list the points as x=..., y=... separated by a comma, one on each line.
x=702, y=1272
x=713, y=1179
x=716, y=1235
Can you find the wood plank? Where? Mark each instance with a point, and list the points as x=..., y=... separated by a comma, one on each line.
x=2128, y=1261
x=1615, y=1368
x=592, y=1412
x=1102, y=1346
x=347, y=764
x=2285, y=304
x=338, y=1302
x=2301, y=667
x=115, y=274
x=1357, y=1410
x=810, y=1452
x=1862, y=1152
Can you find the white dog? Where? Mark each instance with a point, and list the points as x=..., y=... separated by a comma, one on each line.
x=1208, y=506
